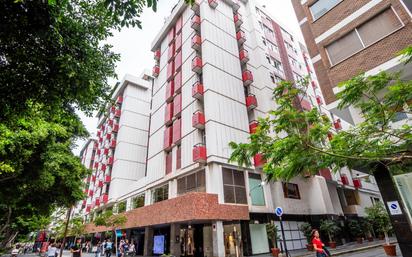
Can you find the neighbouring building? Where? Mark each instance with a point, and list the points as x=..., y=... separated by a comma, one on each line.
x=217, y=63
x=347, y=38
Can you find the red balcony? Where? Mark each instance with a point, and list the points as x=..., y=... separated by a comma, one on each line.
x=337, y=124
x=117, y=113
x=157, y=55
x=243, y=56
x=196, y=22
x=197, y=65
x=178, y=61
x=108, y=136
x=169, y=113
x=169, y=161
x=96, y=165
x=259, y=160
x=115, y=128
x=100, y=139
x=178, y=82
x=325, y=173
x=156, y=71
x=97, y=202
x=251, y=102
x=213, y=3
x=112, y=109
x=88, y=180
x=241, y=37
x=99, y=151
x=178, y=42
x=104, y=198
x=88, y=208
x=171, y=52
x=91, y=193
x=177, y=105
x=100, y=183
x=167, y=143
x=357, y=183
x=170, y=91
x=171, y=35
x=330, y=136
x=177, y=131
x=110, y=122
x=197, y=90
x=314, y=86
x=119, y=99
x=93, y=179
x=253, y=126
x=110, y=160
x=106, y=151
x=99, y=133
x=170, y=71
x=199, y=153
x=179, y=24
x=198, y=120
x=103, y=168
x=305, y=104
x=107, y=179
x=113, y=143
x=319, y=100
x=196, y=42
x=344, y=179
x=238, y=19
x=247, y=78
x=84, y=203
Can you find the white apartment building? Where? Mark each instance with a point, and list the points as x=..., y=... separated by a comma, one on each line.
x=217, y=63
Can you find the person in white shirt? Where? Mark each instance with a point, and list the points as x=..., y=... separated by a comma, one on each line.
x=52, y=250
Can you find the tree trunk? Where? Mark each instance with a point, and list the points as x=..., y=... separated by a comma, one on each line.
x=7, y=223
x=115, y=240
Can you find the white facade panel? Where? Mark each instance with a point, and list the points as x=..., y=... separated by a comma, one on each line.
x=130, y=152
x=159, y=99
x=156, y=143
x=187, y=147
x=134, y=120
x=158, y=119
x=215, y=35
x=133, y=136
x=156, y=167
x=214, y=55
x=136, y=105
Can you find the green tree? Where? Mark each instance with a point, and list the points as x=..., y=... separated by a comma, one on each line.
x=329, y=227
x=306, y=229
x=272, y=233
x=378, y=216
x=77, y=227
x=294, y=142
x=111, y=221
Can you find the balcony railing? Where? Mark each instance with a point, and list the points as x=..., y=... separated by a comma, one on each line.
x=247, y=78
x=196, y=42
x=199, y=153
x=251, y=102
x=197, y=64
x=198, y=120
x=195, y=22
x=197, y=90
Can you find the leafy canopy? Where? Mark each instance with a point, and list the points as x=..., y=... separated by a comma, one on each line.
x=294, y=141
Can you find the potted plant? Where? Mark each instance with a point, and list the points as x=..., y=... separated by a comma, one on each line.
x=306, y=229
x=272, y=232
x=329, y=227
x=367, y=227
x=355, y=230
x=379, y=217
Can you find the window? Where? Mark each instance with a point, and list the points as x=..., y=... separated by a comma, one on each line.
x=192, y=183
x=263, y=40
x=138, y=201
x=267, y=30
x=321, y=7
x=268, y=59
x=178, y=157
x=273, y=47
x=365, y=35
x=277, y=65
x=291, y=190
x=160, y=194
x=350, y=197
x=256, y=190
x=234, y=186
x=121, y=207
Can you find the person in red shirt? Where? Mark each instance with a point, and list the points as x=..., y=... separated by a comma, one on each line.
x=318, y=245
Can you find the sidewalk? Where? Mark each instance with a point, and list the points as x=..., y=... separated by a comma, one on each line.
x=342, y=249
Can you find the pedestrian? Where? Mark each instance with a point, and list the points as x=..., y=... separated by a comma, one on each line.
x=76, y=248
x=108, y=248
x=126, y=247
x=52, y=250
x=318, y=246
x=87, y=247
x=97, y=249
x=131, y=249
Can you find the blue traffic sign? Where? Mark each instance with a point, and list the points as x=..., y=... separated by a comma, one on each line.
x=394, y=206
x=279, y=211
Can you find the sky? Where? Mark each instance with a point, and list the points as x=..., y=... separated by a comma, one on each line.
x=133, y=44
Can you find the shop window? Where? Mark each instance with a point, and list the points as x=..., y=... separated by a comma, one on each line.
x=192, y=183
x=291, y=190
x=178, y=157
x=121, y=207
x=256, y=190
x=234, y=186
x=160, y=194
x=350, y=197
x=138, y=201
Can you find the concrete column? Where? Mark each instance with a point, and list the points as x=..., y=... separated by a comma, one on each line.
x=148, y=242
x=218, y=240
x=174, y=245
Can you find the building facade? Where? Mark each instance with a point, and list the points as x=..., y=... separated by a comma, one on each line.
x=217, y=63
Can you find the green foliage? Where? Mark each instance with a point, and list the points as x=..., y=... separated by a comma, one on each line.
x=110, y=220
x=329, y=227
x=76, y=226
x=272, y=233
x=355, y=228
x=306, y=229
x=378, y=216
x=294, y=141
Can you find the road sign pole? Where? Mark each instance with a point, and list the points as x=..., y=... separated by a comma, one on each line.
x=283, y=236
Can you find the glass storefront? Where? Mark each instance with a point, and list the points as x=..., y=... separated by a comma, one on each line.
x=259, y=238
x=404, y=185
x=232, y=237
x=196, y=240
